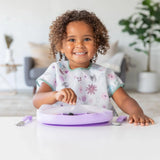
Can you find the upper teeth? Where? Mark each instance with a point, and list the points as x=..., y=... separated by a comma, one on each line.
x=80, y=53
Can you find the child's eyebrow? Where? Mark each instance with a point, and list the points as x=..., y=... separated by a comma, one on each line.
x=70, y=36
x=83, y=36
x=88, y=35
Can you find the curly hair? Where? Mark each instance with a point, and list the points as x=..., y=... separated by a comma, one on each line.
x=58, y=30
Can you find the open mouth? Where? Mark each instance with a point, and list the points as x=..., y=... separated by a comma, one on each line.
x=80, y=53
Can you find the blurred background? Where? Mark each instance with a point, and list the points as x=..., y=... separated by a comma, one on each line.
x=29, y=20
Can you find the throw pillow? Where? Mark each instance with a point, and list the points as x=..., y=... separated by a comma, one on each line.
x=112, y=59
x=114, y=62
x=110, y=53
x=41, y=55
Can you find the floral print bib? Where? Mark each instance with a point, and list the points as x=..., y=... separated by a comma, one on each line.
x=93, y=85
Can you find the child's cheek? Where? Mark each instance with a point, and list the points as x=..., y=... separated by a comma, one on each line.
x=69, y=47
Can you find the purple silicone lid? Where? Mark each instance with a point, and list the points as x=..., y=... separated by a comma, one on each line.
x=73, y=120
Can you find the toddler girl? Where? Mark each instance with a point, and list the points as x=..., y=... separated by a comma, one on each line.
x=80, y=36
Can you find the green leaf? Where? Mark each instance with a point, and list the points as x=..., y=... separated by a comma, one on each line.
x=157, y=14
x=157, y=39
x=146, y=52
x=124, y=22
x=130, y=31
x=151, y=10
x=132, y=44
x=125, y=30
x=136, y=21
x=146, y=2
x=154, y=36
x=142, y=14
x=141, y=31
x=147, y=21
x=139, y=50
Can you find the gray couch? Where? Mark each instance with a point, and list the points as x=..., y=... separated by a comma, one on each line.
x=31, y=73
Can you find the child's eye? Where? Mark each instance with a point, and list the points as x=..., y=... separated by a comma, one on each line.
x=87, y=39
x=71, y=40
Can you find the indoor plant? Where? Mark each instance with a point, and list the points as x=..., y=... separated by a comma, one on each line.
x=9, y=54
x=145, y=26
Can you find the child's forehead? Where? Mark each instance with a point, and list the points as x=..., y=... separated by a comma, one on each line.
x=78, y=26
x=80, y=22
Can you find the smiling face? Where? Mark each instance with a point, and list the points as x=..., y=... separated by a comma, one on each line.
x=79, y=45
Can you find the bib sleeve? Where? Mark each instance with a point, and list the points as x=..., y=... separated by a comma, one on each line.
x=114, y=82
x=48, y=77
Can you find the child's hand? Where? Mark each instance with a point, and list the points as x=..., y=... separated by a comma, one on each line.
x=66, y=95
x=141, y=119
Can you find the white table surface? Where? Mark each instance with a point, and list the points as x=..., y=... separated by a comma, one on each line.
x=36, y=141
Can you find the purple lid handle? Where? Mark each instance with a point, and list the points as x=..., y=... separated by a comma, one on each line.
x=121, y=119
x=27, y=118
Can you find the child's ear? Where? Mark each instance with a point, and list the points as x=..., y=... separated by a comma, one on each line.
x=59, y=49
x=62, y=50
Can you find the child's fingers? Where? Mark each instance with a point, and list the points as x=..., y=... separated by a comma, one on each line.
x=150, y=120
x=67, y=95
x=73, y=97
x=147, y=122
x=130, y=120
x=136, y=120
x=142, y=121
x=74, y=100
x=59, y=96
x=70, y=96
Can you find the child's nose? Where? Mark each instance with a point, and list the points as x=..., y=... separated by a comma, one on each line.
x=79, y=44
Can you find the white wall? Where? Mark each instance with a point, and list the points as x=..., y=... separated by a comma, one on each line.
x=29, y=20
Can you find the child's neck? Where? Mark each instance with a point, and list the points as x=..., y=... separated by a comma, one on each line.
x=74, y=66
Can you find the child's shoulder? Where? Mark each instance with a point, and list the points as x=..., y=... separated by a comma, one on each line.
x=101, y=68
x=59, y=64
x=94, y=65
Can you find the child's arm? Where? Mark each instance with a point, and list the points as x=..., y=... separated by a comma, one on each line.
x=131, y=107
x=45, y=95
